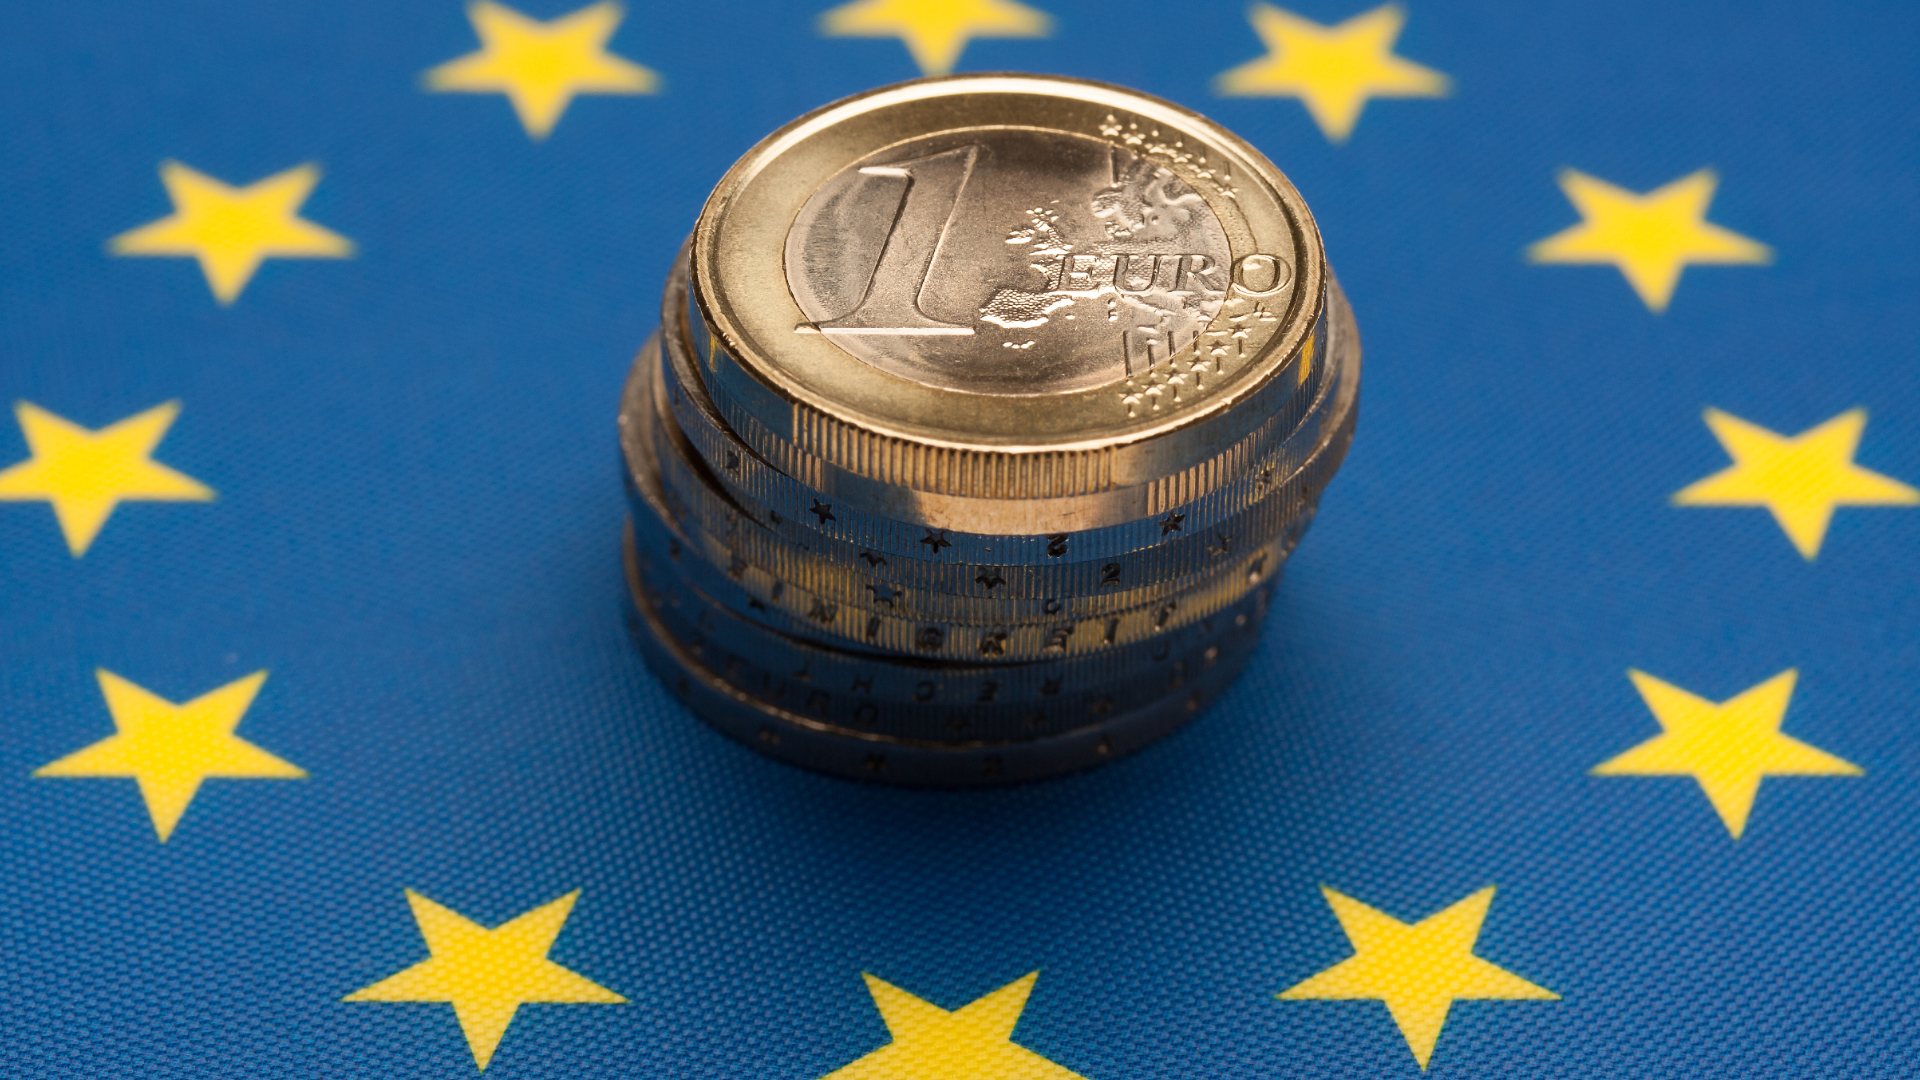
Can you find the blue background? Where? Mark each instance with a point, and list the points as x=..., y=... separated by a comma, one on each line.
x=418, y=517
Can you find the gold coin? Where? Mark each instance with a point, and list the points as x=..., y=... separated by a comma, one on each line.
x=1007, y=287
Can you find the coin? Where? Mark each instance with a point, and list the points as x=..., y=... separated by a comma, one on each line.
x=910, y=698
x=823, y=747
x=1006, y=287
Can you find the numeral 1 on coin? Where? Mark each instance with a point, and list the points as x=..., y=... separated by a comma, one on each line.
x=929, y=189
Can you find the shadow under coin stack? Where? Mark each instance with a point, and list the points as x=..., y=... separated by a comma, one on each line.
x=982, y=415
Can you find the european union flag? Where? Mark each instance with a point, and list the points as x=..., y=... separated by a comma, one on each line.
x=1580, y=742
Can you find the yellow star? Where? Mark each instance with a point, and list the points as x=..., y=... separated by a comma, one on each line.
x=1726, y=746
x=1650, y=237
x=936, y=31
x=232, y=230
x=86, y=474
x=488, y=974
x=1419, y=969
x=1800, y=479
x=540, y=66
x=1332, y=69
x=930, y=1043
x=170, y=749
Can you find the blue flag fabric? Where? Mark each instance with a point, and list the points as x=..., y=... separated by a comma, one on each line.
x=1581, y=742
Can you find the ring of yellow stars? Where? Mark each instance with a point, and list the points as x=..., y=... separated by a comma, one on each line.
x=232, y=230
x=1651, y=237
x=969, y=1043
x=1333, y=70
x=1727, y=746
x=1418, y=969
x=542, y=66
x=171, y=749
x=1800, y=479
x=936, y=32
x=85, y=474
x=486, y=975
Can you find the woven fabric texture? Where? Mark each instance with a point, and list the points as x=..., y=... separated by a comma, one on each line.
x=404, y=418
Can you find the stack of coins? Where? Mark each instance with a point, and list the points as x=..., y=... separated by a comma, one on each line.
x=982, y=415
